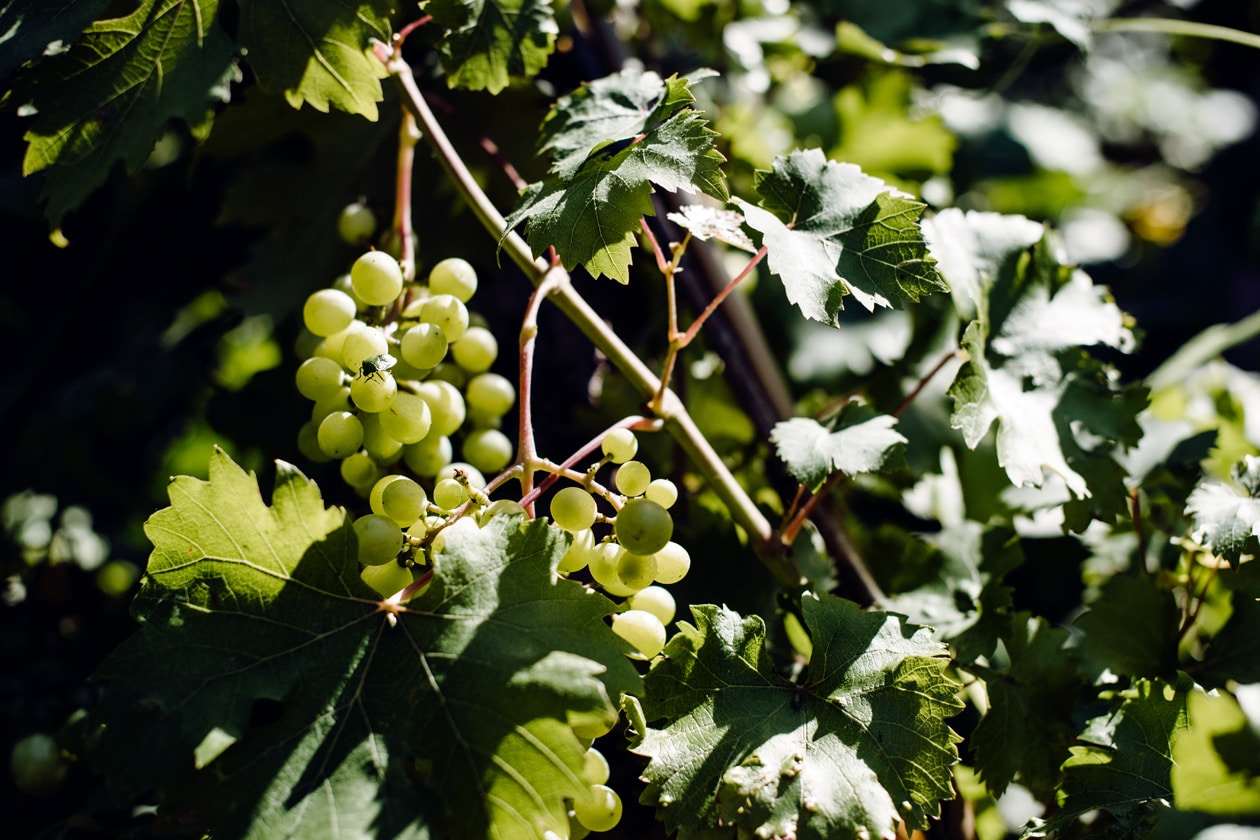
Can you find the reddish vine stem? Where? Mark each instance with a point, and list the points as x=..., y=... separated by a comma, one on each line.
x=923, y=383
x=487, y=145
x=632, y=422
x=527, y=451
x=721, y=296
x=408, y=137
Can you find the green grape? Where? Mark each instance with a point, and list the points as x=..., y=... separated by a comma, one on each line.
x=429, y=455
x=377, y=278
x=672, y=563
x=337, y=401
x=579, y=552
x=334, y=346
x=375, y=392
x=643, y=630
x=471, y=474
x=446, y=406
x=36, y=764
x=359, y=470
x=318, y=377
x=362, y=344
x=449, y=372
x=643, y=527
x=573, y=509
x=620, y=445
x=476, y=350
x=657, y=600
x=308, y=443
x=383, y=448
x=449, y=494
x=577, y=831
x=374, y=498
x=489, y=450
x=328, y=311
x=418, y=530
x=501, y=507
x=448, y=312
x=356, y=224
x=408, y=419
x=600, y=810
x=491, y=394
x=339, y=434
x=453, y=276
x=633, y=478
x=603, y=564
x=380, y=539
x=595, y=767
x=423, y=346
x=592, y=728
x=636, y=571
x=404, y=501
x=663, y=492
x=343, y=283
x=386, y=578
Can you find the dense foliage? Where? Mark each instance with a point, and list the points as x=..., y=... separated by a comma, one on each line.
x=690, y=417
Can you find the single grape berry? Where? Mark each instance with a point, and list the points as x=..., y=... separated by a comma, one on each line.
x=620, y=445
x=643, y=526
x=377, y=278
x=573, y=509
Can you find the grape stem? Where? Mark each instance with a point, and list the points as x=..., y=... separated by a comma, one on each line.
x=527, y=450
x=408, y=137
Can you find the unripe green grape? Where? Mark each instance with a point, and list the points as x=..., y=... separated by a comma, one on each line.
x=334, y=346
x=359, y=470
x=339, y=400
x=429, y=455
x=328, y=311
x=620, y=445
x=377, y=278
x=36, y=764
x=404, y=501
x=306, y=344
x=383, y=448
x=603, y=564
x=491, y=394
x=380, y=539
x=578, y=554
x=362, y=344
x=317, y=378
x=408, y=419
x=599, y=810
x=446, y=406
x=418, y=530
x=657, y=600
x=308, y=443
x=672, y=563
x=501, y=507
x=662, y=491
x=356, y=224
x=374, y=498
x=448, y=494
x=448, y=312
x=591, y=728
x=453, y=276
x=644, y=632
x=424, y=345
x=471, y=474
x=636, y=571
x=340, y=434
x=387, y=578
x=404, y=370
x=343, y=283
x=573, y=509
x=633, y=478
x=643, y=527
x=449, y=372
x=476, y=350
x=489, y=450
x=595, y=767
x=374, y=393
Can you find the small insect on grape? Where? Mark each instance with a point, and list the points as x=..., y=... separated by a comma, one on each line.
x=376, y=365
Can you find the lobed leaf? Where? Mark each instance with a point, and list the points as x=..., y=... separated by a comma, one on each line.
x=1227, y=516
x=487, y=43
x=864, y=442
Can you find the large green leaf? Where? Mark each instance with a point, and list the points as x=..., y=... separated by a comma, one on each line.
x=288, y=699
x=1217, y=760
x=852, y=748
x=613, y=140
x=830, y=230
x=110, y=96
x=486, y=43
x=27, y=27
x=863, y=442
x=1132, y=628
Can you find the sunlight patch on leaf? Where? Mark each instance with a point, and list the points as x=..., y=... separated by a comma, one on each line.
x=859, y=441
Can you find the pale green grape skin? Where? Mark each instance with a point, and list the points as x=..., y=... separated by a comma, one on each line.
x=377, y=278
x=404, y=501
x=387, y=578
x=672, y=563
x=308, y=443
x=573, y=509
x=489, y=450
x=577, y=831
x=644, y=632
x=657, y=600
x=662, y=491
x=589, y=730
x=337, y=401
x=448, y=494
x=423, y=346
x=636, y=571
x=359, y=470
x=600, y=810
x=578, y=554
x=633, y=478
x=428, y=456
x=620, y=445
x=603, y=564
x=362, y=344
x=374, y=393
x=476, y=350
x=491, y=394
x=383, y=448
x=340, y=434
x=328, y=311
x=595, y=767
x=343, y=283
x=380, y=539
x=374, y=498
x=449, y=372
x=501, y=507
x=643, y=527
x=356, y=224
x=454, y=276
x=448, y=312
x=407, y=419
x=317, y=378
x=471, y=474
x=446, y=406
x=334, y=346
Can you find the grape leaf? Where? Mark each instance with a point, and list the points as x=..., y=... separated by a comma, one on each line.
x=1214, y=760
x=319, y=710
x=1234, y=652
x=857, y=745
x=1070, y=18
x=863, y=442
x=318, y=53
x=1125, y=764
x=614, y=139
x=28, y=27
x=1132, y=628
x=830, y=230
x=110, y=96
x=1227, y=517
x=485, y=43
